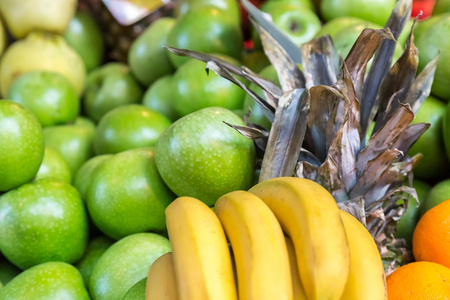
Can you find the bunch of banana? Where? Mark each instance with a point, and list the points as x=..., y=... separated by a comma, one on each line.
x=283, y=239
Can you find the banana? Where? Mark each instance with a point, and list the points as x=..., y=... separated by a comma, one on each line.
x=201, y=257
x=367, y=278
x=259, y=247
x=310, y=217
x=161, y=283
x=299, y=292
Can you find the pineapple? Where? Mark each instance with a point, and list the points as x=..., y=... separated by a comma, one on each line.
x=120, y=35
x=339, y=124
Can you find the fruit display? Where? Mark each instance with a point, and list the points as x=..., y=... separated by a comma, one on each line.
x=224, y=149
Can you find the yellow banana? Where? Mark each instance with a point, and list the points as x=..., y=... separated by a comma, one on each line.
x=201, y=257
x=367, y=279
x=299, y=292
x=310, y=217
x=161, y=283
x=257, y=241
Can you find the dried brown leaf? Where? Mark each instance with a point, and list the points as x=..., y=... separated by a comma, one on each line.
x=249, y=132
x=362, y=51
x=289, y=74
x=385, y=138
x=389, y=183
x=306, y=170
x=278, y=35
x=286, y=135
x=382, y=61
x=320, y=62
x=373, y=170
x=323, y=102
x=355, y=207
x=328, y=177
x=397, y=82
x=266, y=85
x=421, y=86
x=268, y=107
x=343, y=151
x=410, y=136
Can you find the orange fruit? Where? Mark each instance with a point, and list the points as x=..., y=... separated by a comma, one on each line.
x=419, y=280
x=431, y=238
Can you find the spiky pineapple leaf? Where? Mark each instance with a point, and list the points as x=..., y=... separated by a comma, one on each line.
x=421, y=86
x=355, y=207
x=342, y=151
x=389, y=183
x=373, y=170
x=385, y=138
x=361, y=52
x=397, y=83
x=382, y=61
x=410, y=136
x=286, y=135
x=324, y=101
x=268, y=106
x=283, y=40
x=320, y=62
x=289, y=74
x=327, y=175
x=264, y=84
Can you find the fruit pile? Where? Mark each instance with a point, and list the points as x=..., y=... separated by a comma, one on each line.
x=265, y=263
x=283, y=171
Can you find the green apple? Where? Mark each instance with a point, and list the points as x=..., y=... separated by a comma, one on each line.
x=7, y=270
x=42, y=221
x=83, y=177
x=227, y=7
x=129, y=127
x=257, y=114
x=21, y=145
x=373, y=11
x=73, y=141
x=441, y=7
x=53, y=166
x=147, y=58
x=438, y=193
x=255, y=60
x=128, y=187
x=446, y=129
x=137, y=291
x=405, y=226
x=434, y=40
x=47, y=281
x=41, y=51
x=85, y=36
x=202, y=157
x=294, y=19
x=423, y=25
x=82, y=180
x=335, y=25
x=193, y=89
x=108, y=87
x=431, y=144
x=124, y=264
x=49, y=95
x=159, y=97
x=94, y=250
x=24, y=16
x=306, y=3
x=206, y=30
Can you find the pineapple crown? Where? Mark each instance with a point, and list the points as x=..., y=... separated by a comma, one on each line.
x=338, y=122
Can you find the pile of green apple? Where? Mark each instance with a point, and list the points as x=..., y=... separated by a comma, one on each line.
x=92, y=151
